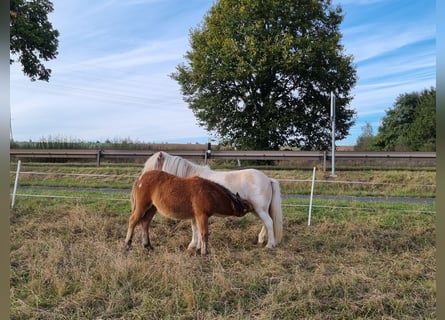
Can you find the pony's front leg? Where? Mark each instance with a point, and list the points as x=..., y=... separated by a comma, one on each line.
x=194, y=244
x=146, y=220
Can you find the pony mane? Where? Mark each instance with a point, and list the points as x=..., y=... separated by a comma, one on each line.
x=152, y=163
x=180, y=166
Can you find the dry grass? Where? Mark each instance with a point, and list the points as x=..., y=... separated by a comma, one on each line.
x=68, y=262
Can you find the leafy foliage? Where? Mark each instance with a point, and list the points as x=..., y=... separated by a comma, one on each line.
x=422, y=136
x=411, y=124
x=32, y=37
x=364, y=141
x=260, y=73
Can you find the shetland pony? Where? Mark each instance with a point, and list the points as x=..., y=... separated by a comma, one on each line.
x=175, y=197
x=253, y=185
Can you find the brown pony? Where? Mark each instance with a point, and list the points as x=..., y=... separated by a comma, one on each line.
x=192, y=198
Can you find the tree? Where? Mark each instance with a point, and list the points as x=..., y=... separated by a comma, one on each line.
x=32, y=37
x=364, y=141
x=422, y=134
x=411, y=124
x=392, y=132
x=259, y=73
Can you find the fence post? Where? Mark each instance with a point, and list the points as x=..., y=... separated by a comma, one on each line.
x=208, y=152
x=310, y=200
x=99, y=154
x=324, y=160
x=16, y=183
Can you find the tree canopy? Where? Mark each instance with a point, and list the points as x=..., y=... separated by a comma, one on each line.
x=411, y=124
x=259, y=73
x=32, y=37
x=365, y=139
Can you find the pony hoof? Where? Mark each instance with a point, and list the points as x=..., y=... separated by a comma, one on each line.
x=201, y=253
x=197, y=252
x=149, y=248
x=191, y=253
x=259, y=244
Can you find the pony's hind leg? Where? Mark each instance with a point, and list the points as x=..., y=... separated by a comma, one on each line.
x=132, y=222
x=266, y=230
x=146, y=220
x=203, y=231
x=262, y=235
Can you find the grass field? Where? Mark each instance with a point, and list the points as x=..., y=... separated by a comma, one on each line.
x=68, y=259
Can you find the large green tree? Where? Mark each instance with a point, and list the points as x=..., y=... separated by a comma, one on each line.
x=410, y=125
x=32, y=37
x=260, y=72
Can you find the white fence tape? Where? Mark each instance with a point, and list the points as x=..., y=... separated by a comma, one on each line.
x=281, y=180
x=78, y=174
x=68, y=197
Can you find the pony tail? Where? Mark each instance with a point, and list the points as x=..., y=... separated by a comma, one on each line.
x=132, y=200
x=275, y=211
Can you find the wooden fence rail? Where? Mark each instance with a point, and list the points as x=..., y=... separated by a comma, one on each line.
x=99, y=155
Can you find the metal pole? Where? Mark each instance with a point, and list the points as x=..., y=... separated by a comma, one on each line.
x=333, y=134
x=310, y=200
x=16, y=183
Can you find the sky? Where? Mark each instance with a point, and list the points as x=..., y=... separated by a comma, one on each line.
x=110, y=80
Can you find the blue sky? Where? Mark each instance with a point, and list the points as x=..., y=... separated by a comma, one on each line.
x=110, y=79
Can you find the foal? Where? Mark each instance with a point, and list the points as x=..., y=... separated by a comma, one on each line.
x=175, y=197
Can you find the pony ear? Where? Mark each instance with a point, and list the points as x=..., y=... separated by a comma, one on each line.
x=160, y=156
x=237, y=195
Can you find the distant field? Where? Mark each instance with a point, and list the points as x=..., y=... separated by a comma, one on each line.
x=357, y=260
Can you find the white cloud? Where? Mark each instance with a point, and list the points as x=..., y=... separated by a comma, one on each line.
x=415, y=62
x=376, y=98
x=365, y=42
x=153, y=53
